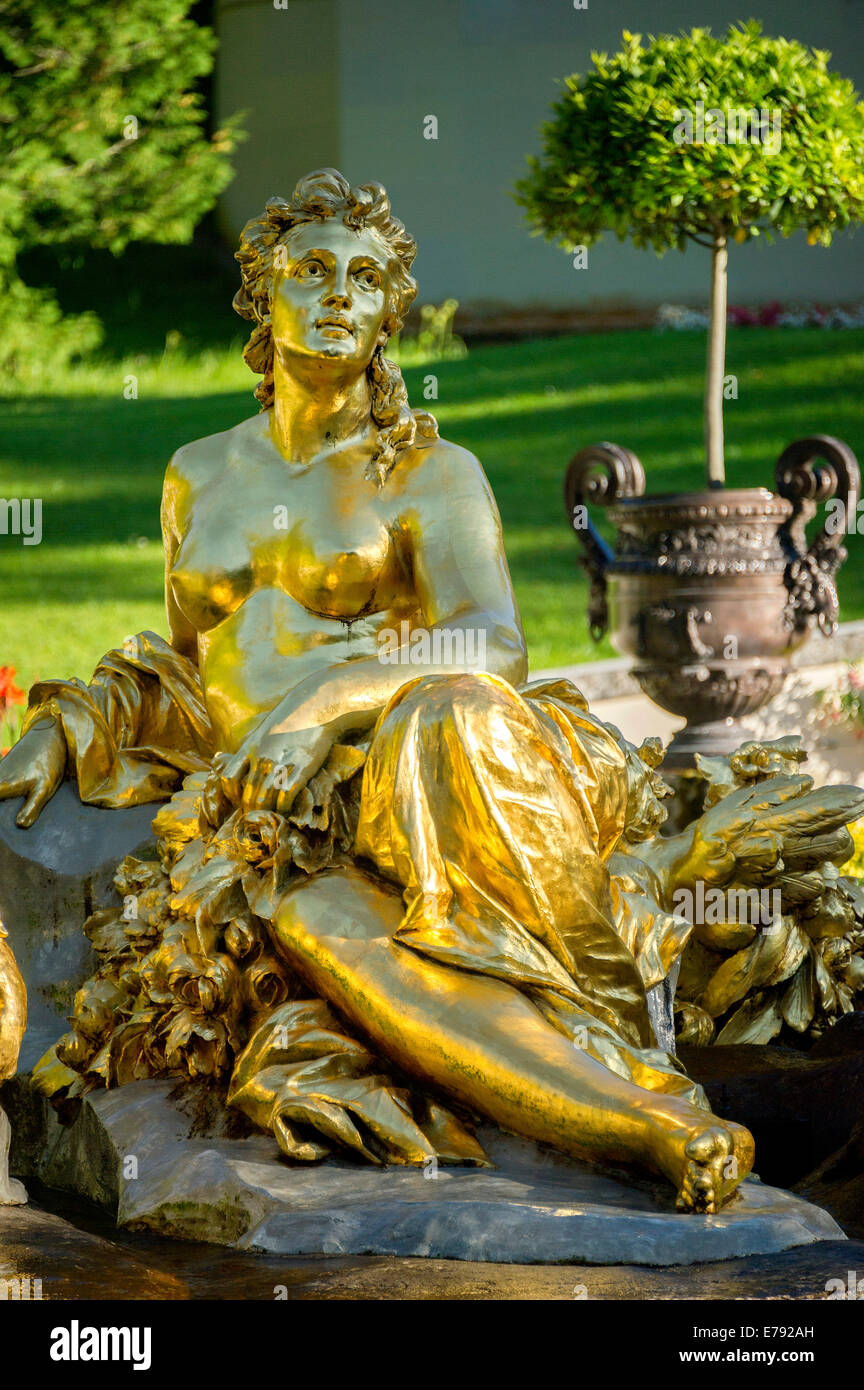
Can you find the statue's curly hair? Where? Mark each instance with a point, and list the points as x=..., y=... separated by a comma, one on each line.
x=319, y=195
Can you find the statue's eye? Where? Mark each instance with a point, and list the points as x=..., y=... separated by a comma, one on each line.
x=311, y=270
x=368, y=278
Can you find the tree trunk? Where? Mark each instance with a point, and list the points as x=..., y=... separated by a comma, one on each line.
x=716, y=368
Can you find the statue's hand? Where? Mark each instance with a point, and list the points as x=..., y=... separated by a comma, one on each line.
x=270, y=771
x=34, y=768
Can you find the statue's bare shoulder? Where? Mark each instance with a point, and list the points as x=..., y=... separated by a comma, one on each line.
x=202, y=461
x=199, y=461
x=444, y=469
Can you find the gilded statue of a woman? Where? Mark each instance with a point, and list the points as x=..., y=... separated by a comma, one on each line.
x=392, y=896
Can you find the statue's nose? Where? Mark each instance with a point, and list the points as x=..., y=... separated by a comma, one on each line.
x=337, y=297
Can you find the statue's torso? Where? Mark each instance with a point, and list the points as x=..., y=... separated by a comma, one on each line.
x=282, y=571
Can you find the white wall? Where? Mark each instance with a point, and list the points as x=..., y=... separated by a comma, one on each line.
x=348, y=82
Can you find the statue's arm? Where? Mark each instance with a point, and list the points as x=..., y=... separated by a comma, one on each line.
x=460, y=568
x=451, y=538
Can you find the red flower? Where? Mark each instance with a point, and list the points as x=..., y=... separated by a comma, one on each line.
x=9, y=692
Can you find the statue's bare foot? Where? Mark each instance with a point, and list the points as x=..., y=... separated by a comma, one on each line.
x=713, y=1160
x=12, y=1193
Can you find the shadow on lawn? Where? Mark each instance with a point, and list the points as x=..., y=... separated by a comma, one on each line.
x=98, y=462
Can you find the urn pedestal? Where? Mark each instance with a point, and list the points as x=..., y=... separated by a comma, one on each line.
x=711, y=592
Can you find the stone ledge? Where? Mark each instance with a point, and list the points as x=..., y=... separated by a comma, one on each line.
x=611, y=679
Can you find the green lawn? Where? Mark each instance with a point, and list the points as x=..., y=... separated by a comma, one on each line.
x=96, y=460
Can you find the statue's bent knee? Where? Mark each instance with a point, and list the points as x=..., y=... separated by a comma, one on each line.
x=345, y=903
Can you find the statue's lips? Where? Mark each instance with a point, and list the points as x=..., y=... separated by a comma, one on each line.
x=331, y=323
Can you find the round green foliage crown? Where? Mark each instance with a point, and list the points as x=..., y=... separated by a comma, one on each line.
x=612, y=160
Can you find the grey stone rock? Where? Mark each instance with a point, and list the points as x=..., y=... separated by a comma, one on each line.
x=131, y=1150
x=52, y=877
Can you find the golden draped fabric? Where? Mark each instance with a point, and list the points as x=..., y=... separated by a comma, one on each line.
x=139, y=723
x=490, y=816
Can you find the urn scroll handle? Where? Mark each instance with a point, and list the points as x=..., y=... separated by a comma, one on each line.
x=603, y=474
x=812, y=470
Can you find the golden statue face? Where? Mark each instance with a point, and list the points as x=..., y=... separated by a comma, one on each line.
x=332, y=295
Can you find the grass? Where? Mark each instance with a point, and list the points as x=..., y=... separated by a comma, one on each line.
x=96, y=459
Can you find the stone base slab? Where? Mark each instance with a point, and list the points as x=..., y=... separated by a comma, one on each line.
x=138, y=1151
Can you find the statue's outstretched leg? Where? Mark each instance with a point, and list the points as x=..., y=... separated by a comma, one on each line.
x=485, y=1043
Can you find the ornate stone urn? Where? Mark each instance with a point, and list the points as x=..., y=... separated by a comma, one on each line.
x=711, y=592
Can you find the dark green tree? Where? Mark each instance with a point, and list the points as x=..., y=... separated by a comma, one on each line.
x=103, y=141
x=648, y=145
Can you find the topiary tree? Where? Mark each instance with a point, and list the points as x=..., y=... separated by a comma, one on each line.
x=692, y=138
x=102, y=141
